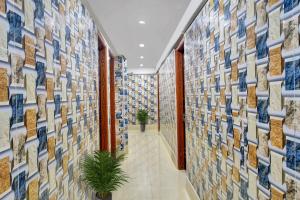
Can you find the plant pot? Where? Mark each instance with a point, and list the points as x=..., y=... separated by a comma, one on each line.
x=143, y=127
x=109, y=197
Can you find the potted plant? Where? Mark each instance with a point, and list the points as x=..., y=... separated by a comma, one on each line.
x=102, y=173
x=142, y=117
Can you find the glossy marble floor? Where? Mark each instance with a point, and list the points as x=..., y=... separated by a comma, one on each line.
x=152, y=174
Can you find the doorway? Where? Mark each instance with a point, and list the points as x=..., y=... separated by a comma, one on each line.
x=179, y=69
x=103, y=101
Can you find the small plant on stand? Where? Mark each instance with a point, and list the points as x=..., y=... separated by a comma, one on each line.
x=142, y=117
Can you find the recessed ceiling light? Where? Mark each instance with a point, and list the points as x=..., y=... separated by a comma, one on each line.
x=141, y=57
x=141, y=65
x=141, y=45
x=142, y=22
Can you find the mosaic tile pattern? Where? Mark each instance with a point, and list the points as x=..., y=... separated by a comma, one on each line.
x=121, y=99
x=48, y=97
x=167, y=98
x=242, y=82
x=142, y=94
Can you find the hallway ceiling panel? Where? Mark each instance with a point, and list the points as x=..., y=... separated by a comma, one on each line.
x=120, y=21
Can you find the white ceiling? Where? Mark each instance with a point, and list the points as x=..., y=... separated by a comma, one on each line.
x=119, y=19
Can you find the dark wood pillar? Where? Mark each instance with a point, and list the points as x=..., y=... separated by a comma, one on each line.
x=103, y=96
x=179, y=62
x=112, y=105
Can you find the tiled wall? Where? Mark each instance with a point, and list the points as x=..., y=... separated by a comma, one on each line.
x=48, y=97
x=167, y=103
x=121, y=99
x=242, y=82
x=142, y=94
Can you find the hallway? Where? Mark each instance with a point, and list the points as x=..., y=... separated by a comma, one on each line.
x=216, y=83
x=152, y=174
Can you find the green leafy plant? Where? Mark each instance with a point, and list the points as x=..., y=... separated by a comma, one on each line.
x=102, y=173
x=142, y=116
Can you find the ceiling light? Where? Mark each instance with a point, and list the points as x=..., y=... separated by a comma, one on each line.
x=141, y=65
x=142, y=22
x=141, y=57
x=141, y=45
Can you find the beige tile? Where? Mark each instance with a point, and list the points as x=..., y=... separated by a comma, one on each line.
x=151, y=170
x=49, y=54
x=250, y=8
x=274, y=23
x=32, y=159
x=252, y=133
x=262, y=81
x=275, y=97
x=18, y=146
x=252, y=190
x=5, y=127
x=263, y=148
x=52, y=176
x=17, y=76
x=251, y=68
x=40, y=44
x=50, y=118
x=276, y=167
x=261, y=10
x=43, y=171
x=291, y=35
x=41, y=100
x=30, y=84
x=293, y=187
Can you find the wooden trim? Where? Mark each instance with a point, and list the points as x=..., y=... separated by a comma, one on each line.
x=158, y=109
x=180, y=45
x=179, y=65
x=103, y=96
x=101, y=41
x=112, y=105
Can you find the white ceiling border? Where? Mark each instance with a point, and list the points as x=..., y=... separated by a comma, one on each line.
x=188, y=17
x=100, y=28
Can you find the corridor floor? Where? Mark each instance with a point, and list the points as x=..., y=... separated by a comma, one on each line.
x=152, y=174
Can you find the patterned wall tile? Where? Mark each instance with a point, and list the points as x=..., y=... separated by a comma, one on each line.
x=38, y=81
x=142, y=94
x=121, y=99
x=242, y=100
x=167, y=102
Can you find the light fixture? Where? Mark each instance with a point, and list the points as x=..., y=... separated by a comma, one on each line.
x=141, y=57
x=142, y=22
x=141, y=65
x=141, y=45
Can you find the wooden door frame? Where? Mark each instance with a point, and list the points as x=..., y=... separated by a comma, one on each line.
x=180, y=106
x=112, y=104
x=103, y=103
